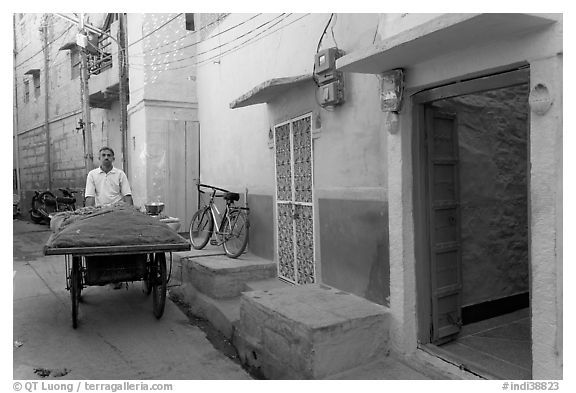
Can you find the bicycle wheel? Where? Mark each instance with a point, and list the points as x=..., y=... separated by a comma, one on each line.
x=235, y=233
x=158, y=281
x=201, y=227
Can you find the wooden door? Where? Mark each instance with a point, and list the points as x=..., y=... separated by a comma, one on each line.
x=444, y=224
x=183, y=170
x=294, y=201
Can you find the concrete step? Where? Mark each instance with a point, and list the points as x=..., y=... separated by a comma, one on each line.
x=266, y=285
x=221, y=277
x=309, y=331
x=223, y=314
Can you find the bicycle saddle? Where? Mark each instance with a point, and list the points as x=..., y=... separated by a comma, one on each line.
x=231, y=196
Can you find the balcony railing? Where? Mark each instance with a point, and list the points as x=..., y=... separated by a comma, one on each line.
x=102, y=60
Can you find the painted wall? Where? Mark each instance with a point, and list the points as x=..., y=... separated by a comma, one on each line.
x=348, y=144
x=162, y=100
x=492, y=135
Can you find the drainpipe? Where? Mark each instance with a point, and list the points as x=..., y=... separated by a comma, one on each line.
x=46, y=100
x=15, y=119
x=123, y=89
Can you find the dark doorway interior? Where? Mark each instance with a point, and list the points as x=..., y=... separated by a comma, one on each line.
x=492, y=137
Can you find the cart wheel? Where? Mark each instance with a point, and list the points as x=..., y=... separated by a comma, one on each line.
x=158, y=280
x=146, y=282
x=75, y=285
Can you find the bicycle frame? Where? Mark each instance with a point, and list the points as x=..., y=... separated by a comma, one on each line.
x=218, y=217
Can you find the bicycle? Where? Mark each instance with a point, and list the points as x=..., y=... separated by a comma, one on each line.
x=231, y=231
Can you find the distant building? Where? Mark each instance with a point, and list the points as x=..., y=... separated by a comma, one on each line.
x=160, y=144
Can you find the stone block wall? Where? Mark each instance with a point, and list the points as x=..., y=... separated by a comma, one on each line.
x=492, y=133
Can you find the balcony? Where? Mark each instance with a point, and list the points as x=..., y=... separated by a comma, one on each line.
x=104, y=79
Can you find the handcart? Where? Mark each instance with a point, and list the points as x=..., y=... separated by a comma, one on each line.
x=99, y=265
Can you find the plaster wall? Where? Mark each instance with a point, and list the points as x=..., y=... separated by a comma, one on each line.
x=348, y=145
x=392, y=24
x=161, y=58
x=162, y=96
x=235, y=142
x=546, y=239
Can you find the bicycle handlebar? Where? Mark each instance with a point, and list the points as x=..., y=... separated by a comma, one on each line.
x=213, y=188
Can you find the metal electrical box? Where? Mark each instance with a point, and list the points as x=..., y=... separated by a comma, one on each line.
x=325, y=65
x=331, y=94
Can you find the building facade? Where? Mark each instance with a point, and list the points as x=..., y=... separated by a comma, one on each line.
x=432, y=186
x=139, y=105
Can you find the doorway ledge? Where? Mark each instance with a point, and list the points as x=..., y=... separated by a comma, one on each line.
x=268, y=90
x=439, y=36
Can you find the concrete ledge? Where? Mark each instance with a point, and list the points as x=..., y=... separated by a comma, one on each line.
x=309, y=332
x=221, y=277
x=223, y=314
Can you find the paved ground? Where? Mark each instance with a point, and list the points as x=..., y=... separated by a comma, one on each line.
x=118, y=337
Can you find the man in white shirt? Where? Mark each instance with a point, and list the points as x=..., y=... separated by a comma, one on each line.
x=106, y=185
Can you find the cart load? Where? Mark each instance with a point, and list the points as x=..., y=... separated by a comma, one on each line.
x=117, y=225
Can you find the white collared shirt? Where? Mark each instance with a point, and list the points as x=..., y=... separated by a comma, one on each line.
x=107, y=188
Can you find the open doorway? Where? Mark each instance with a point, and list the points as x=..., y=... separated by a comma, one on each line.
x=474, y=264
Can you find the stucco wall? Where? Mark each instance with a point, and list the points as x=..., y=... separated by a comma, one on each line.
x=492, y=136
x=162, y=98
x=348, y=145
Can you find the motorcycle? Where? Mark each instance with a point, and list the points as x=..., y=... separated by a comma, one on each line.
x=45, y=204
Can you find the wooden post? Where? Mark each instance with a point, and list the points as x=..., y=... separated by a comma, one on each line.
x=85, y=98
x=46, y=101
x=123, y=90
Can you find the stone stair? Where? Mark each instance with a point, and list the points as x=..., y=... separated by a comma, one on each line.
x=210, y=283
x=280, y=330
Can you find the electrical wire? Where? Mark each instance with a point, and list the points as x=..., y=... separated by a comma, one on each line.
x=155, y=30
x=239, y=46
x=44, y=47
x=252, y=39
x=195, y=32
x=318, y=50
x=214, y=48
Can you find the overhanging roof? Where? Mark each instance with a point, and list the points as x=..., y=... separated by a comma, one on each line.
x=33, y=72
x=447, y=33
x=68, y=45
x=266, y=91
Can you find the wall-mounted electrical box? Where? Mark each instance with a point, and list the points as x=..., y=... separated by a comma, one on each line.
x=331, y=94
x=330, y=81
x=325, y=65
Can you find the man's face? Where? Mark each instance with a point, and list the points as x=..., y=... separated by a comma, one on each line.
x=106, y=157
